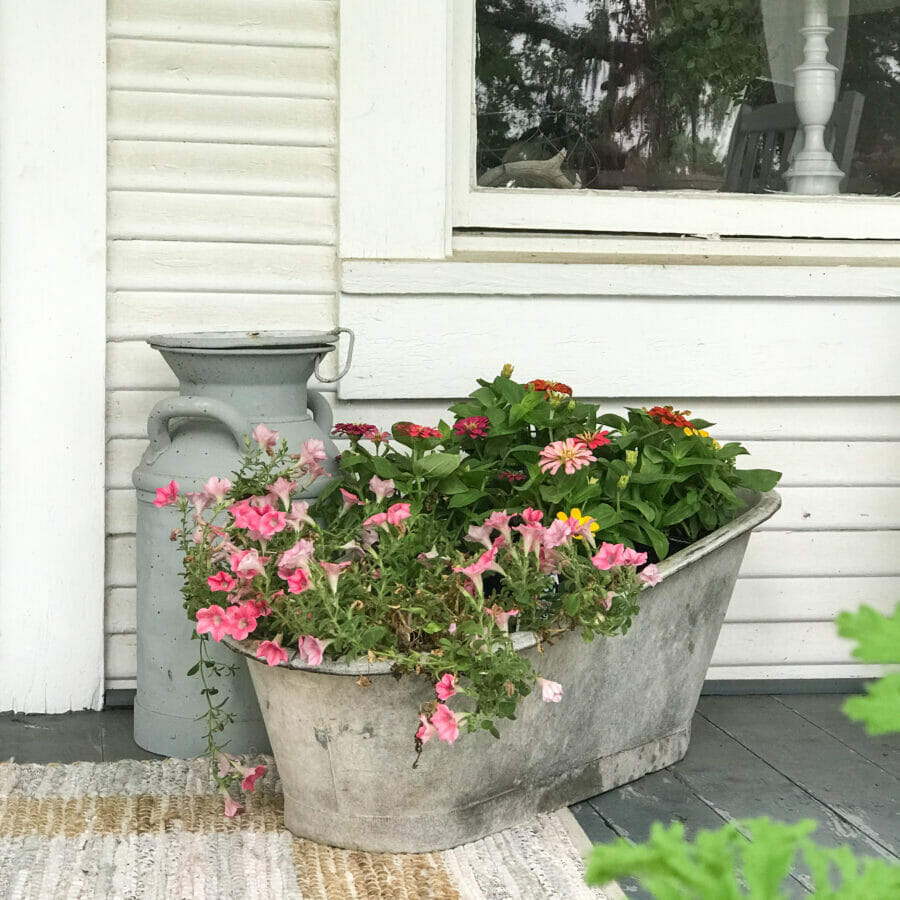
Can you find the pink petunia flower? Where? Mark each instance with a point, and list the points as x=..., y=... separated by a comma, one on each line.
x=532, y=537
x=221, y=581
x=376, y=519
x=251, y=776
x=531, y=516
x=311, y=649
x=333, y=572
x=240, y=621
x=446, y=687
x=243, y=513
x=211, y=620
x=446, y=722
x=650, y=575
x=499, y=520
x=266, y=438
x=272, y=651
x=485, y=563
x=633, y=558
x=282, y=489
x=296, y=557
x=312, y=452
x=381, y=488
x=350, y=500
x=199, y=499
x=501, y=617
x=217, y=488
x=247, y=564
x=608, y=556
x=560, y=532
x=551, y=691
x=299, y=513
x=426, y=730
x=480, y=534
x=298, y=582
x=397, y=513
x=232, y=807
x=264, y=523
x=166, y=496
x=570, y=454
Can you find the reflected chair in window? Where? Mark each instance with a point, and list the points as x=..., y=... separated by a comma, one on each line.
x=760, y=150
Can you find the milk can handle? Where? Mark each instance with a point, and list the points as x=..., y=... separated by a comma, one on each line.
x=195, y=408
x=321, y=410
x=346, y=368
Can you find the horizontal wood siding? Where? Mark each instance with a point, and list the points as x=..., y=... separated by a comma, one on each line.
x=222, y=193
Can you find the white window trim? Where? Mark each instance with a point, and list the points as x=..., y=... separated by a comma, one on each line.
x=406, y=143
x=52, y=353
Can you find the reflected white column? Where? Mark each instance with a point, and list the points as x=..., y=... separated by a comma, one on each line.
x=813, y=170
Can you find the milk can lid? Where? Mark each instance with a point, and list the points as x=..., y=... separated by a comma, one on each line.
x=241, y=340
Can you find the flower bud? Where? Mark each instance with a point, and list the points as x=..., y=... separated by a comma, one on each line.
x=631, y=458
x=507, y=370
x=571, y=405
x=622, y=483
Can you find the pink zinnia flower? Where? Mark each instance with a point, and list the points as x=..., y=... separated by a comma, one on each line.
x=446, y=722
x=240, y=620
x=221, y=581
x=251, y=776
x=312, y=649
x=551, y=691
x=500, y=617
x=211, y=620
x=650, y=575
x=166, y=496
x=570, y=453
x=247, y=564
x=472, y=426
x=382, y=489
x=350, y=500
x=397, y=513
x=295, y=557
x=272, y=652
x=266, y=439
x=298, y=582
x=376, y=519
x=608, y=556
x=217, y=488
x=232, y=807
x=633, y=558
x=426, y=730
x=446, y=687
x=282, y=489
x=333, y=572
x=531, y=516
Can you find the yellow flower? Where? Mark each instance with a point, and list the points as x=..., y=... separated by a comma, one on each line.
x=694, y=431
x=575, y=513
x=688, y=431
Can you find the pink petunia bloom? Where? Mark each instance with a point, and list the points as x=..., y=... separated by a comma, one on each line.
x=240, y=621
x=560, y=532
x=446, y=722
x=426, y=730
x=199, y=499
x=251, y=776
x=531, y=516
x=266, y=438
x=397, y=513
x=551, y=691
x=217, y=488
x=501, y=617
x=381, y=488
x=472, y=426
x=570, y=454
x=211, y=620
x=499, y=520
x=221, y=581
x=633, y=558
x=312, y=649
x=446, y=687
x=243, y=513
x=650, y=575
x=608, y=556
x=376, y=519
x=296, y=557
x=260, y=605
x=282, y=489
x=247, y=564
x=232, y=807
x=333, y=572
x=480, y=534
x=272, y=652
x=166, y=496
x=312, y=452
x=607, y=600
x=298, y=582
x=451, y=628
x=299, y=513
x=350, y=500
x=532, y=537
x=549, y=561
x=485, y=563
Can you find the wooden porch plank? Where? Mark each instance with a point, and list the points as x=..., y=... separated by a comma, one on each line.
x=824, y=710
x=847, y=783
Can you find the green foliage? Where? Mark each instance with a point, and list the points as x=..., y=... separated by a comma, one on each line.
x=725, y=865
x=878, y=637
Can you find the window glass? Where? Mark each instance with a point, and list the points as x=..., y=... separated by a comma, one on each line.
x=684, y=94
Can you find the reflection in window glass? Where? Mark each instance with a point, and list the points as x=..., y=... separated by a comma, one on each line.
x=678, y=94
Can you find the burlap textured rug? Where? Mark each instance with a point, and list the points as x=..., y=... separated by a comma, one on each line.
x=155, y=830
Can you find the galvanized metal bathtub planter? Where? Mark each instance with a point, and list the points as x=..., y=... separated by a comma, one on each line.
x=345, y=752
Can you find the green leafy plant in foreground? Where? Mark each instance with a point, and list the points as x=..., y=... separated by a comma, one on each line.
x=879, y=642
x=724, y=864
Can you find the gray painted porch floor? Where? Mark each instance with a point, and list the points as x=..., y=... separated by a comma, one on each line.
x=787, y=756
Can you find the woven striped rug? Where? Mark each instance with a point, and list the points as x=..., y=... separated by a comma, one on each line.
x=155, y=830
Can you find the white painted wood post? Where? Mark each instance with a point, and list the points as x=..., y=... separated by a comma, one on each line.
x=52, y=353
x=813, y=170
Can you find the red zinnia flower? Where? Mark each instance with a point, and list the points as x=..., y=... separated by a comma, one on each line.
x=513, y=477
x=665, y=415
x=550, y=387
x=417, y=431
x=355, y=430
x=472, y=426
x=593, y=439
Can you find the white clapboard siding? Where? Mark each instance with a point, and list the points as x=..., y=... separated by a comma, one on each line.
x=219, y=217
x=168, y=66
x=160, y=165
x=636, y=345
x=269, y=121
x=295, y=23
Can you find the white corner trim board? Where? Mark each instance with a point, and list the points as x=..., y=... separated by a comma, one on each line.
x=52, y=336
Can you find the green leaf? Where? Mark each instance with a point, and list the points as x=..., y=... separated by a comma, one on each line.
x=384, y=468
x=194, y=669
x=465, y=498
x=879, y=708
x=571, y=604
x=878, y=635
x=509, y=390
x=731, y=450
x=658, y=541
x=758, y=479
x=433, y=628
x=603, y=514
x=436, y=465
